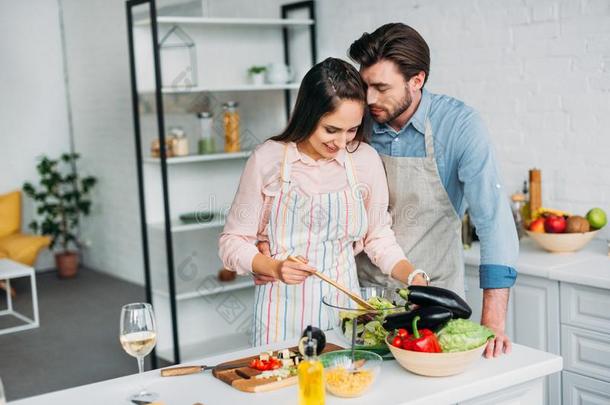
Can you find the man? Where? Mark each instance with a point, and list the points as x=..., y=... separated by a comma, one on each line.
x=439, y=161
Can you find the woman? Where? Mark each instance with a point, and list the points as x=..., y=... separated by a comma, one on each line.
x=317, y=191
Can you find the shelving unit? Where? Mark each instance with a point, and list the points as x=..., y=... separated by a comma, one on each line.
x=178, y=226
x=200, y=158
x=180, y=258
x=228, y=89
x=273, y=22
x=240, y=283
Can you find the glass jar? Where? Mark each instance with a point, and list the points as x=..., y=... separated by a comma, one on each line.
x=206, y=144
x=517, y=204
x=231, y=126
x=179, y=142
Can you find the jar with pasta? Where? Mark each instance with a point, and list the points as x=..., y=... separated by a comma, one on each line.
x=231, y=126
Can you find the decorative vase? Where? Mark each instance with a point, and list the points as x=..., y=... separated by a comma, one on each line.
x=66, y=264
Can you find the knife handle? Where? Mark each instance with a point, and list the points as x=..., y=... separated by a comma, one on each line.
x=184, y=370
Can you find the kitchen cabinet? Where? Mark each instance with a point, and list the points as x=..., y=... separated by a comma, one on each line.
x=560, y=304
x=580, y=390
x=523, y=394
x=532, y=318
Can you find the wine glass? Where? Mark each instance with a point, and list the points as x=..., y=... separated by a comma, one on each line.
x=2, y=398
x=138, y=337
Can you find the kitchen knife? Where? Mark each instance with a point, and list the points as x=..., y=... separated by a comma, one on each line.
x=186, y=370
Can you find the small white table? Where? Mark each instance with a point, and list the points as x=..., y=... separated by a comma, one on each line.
x=9, y=270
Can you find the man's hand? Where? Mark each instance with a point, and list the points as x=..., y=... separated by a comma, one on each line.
x=261, y=279
x=495, y=303
x=264, y=248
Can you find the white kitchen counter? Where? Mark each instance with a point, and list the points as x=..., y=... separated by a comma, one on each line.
x=590, y=266
x=394, y=385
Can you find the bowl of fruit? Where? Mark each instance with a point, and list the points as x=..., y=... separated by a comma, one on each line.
x=560, y=232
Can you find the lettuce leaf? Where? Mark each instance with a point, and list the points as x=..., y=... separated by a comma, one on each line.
x=461, y=334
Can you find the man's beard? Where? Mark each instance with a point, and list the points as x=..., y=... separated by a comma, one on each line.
x=404, y=104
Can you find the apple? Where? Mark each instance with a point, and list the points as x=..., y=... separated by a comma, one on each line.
x=555, y=224
x=537, y=225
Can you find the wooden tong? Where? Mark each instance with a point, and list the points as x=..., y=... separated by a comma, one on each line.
x=355, y=297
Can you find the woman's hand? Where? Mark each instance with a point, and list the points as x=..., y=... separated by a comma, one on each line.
x=291, y=272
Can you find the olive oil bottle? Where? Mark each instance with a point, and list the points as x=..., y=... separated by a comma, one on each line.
x=311, y=375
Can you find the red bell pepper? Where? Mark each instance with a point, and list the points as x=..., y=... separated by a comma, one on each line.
x=423, y=340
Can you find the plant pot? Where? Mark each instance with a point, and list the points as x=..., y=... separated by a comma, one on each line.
x=258, y=79
x=66, y=264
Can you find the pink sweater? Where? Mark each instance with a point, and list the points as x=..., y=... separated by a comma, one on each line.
x=260, y=183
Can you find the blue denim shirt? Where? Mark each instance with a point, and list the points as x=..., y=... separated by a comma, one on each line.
x=468, y=170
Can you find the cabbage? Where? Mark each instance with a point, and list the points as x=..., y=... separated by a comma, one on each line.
x=374, y=334
x=461, y=334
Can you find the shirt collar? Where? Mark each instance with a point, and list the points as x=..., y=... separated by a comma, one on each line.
x=294, y=154
x=418, y=120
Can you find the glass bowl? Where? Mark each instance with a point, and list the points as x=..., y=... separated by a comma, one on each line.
x=370, y=334
x=349, y=379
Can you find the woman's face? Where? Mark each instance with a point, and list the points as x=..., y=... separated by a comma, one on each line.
x=335, y=130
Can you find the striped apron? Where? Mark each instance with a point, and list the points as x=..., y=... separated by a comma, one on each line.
x=322, y=228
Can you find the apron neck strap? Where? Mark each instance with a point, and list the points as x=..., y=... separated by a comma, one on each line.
x=429, y=139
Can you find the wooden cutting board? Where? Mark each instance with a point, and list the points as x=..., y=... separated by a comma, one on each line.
x=235, y=376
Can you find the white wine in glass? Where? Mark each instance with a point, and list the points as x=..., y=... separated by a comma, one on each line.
x=138, y=337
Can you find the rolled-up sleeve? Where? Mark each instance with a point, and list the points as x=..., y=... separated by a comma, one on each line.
x=488, y=205
x=380, y=243
x=237, y=243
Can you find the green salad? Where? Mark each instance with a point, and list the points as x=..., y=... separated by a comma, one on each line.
x=369, y=331
x=461, y=334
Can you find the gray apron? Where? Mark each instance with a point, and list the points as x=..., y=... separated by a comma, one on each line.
x=424, y=221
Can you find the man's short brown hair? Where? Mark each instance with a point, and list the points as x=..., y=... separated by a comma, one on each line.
x=396, y=42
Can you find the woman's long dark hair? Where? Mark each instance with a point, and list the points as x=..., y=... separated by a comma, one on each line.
x=322, y=88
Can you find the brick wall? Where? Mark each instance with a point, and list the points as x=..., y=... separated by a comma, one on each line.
x=538, y=71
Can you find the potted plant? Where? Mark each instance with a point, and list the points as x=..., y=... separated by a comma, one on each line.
x=257, y=74
x=61, y=199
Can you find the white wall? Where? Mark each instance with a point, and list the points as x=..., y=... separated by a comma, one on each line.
x=33, y=114
x=538, y=71
x=98, y=66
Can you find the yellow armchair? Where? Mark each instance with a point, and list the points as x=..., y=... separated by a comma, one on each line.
x=14, y=245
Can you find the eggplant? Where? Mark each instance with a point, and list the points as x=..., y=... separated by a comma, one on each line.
x=425, y=296
x=433, y=318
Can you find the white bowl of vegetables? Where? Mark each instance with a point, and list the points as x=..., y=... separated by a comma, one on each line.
x=461, y=343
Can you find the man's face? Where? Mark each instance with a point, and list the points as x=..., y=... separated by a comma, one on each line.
x=388, y=94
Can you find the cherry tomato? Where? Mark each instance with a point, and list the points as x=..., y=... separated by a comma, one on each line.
x=402, y=333
x=397, y=341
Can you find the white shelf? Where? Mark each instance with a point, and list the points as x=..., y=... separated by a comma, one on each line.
x=178, y=226
x=240, y=283
x=206, y=348
x=201, y=158
x=225, y=89
x=268, y=22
